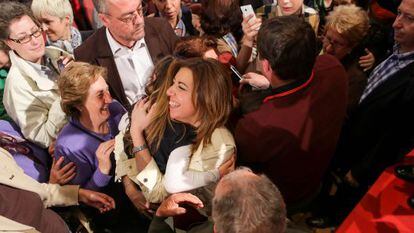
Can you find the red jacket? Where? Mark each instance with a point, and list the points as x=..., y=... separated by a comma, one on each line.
x=292, y=136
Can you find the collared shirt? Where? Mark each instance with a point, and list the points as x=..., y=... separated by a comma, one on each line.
x=46, y=69
x=394, y=63
x=180, y=28
x=134, y=66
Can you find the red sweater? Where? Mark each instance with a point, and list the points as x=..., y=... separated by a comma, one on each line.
x=292, y=137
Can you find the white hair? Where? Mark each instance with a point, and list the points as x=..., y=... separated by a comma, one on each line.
x=58, y=8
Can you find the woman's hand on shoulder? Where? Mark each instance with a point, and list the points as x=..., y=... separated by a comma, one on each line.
x=62, y=175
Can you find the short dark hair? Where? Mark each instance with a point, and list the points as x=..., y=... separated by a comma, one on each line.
x=248, y=204
x=289, y=44
x=10, y=11
x=194, y=46
x=220, y=17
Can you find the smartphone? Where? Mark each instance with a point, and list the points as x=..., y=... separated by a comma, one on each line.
x=248, y=10
x=236, y=72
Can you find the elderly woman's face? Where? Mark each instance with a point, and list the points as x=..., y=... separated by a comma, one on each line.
x=55, y=27
x=335, y=44
x=290, y=7
x=26, y=39
x=97, y=102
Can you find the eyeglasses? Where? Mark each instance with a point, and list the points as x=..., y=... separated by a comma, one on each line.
x=132, y=17
x=27, y=38
x=335, y=44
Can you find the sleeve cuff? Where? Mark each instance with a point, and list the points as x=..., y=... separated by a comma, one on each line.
x=100, y=179
x=149, y=176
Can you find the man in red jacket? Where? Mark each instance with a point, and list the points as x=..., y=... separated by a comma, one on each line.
x=290, y=134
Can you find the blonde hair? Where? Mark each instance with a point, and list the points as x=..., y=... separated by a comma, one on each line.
x=58, y=8
x=74, y=83
x=349, y=21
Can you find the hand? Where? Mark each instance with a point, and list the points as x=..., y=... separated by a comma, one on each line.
x=136, y=196
x=61, y=175
x=66, y=60
x=141, y=116
x=51, y=148
x=250, y=26
x=170, y=206
x=103, y=154
x=351, y=180
x=367, y=62
x=100, y=201
x=228, y=166
x=255, y=80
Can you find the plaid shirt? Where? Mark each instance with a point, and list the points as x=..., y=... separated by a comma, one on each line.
x=394, y=63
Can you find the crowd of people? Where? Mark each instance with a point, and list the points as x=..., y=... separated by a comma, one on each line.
x=143, y=112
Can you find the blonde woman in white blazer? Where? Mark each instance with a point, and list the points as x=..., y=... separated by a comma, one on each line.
x=198, y=94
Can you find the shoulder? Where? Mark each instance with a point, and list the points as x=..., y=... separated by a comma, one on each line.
x=310, y=11
x=117, y=110
x=155, y=22
x=222, y=136
x=70, y=136
x=328, y=63
x=91, y=44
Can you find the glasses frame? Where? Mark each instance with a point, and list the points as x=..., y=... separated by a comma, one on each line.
x=333, y=43
x=28, y=37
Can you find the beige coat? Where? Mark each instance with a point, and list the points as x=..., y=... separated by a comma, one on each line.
x=33, y=102
x=51, y=194
x=151, y=181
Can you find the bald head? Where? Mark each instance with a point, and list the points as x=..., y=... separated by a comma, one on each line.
x=246, y=202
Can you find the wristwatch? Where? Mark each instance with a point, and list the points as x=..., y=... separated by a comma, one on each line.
x=137, y=149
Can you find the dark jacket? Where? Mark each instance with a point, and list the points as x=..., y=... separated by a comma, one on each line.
x=159, y=37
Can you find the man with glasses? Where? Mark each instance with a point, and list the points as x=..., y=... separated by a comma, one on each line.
x=128, y=46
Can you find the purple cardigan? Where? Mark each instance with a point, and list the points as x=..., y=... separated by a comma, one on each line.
x=78, y=145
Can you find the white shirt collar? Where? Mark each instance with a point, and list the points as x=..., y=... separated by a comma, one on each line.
x=117, y=47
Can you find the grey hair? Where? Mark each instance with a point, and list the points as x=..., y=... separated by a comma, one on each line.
x=100, y=5
x=248, y=204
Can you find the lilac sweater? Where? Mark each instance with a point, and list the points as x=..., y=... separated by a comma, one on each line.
x=78, y=145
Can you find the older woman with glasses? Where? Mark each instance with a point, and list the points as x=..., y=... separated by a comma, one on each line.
x=30, y=94
x=345, y=31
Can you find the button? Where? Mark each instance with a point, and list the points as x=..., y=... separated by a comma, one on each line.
x=145, y=179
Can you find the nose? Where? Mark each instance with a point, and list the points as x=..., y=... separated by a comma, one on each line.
x=170, y=91
x=107, y=97
x=397, y=23
x=44, y=27
x=169, y=4
x=329, y=49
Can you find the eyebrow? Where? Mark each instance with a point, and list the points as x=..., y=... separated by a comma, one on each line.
x=31, y=30
x=132, y=12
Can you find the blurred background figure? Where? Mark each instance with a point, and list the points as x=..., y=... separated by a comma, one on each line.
x=56, y=18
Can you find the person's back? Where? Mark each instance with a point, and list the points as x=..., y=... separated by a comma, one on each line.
x=291, y=137
x=295, y=135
